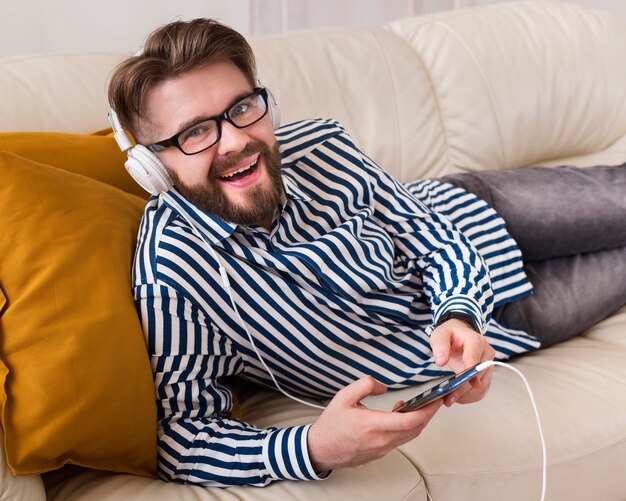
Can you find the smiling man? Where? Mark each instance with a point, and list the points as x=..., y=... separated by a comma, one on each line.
x=289, y=258
x=237, y=180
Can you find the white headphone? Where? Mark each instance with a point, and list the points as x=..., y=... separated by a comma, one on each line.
x=144, y=166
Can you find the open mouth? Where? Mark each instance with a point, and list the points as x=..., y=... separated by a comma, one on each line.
x=241, y=173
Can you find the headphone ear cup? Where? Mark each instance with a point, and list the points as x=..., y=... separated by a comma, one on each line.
x=147, y=170
x=273, y=109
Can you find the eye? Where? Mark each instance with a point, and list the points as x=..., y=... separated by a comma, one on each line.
x=240, y=109
x=198, y=132
x=195, y=132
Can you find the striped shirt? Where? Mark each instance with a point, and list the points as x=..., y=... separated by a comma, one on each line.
x=349, y=281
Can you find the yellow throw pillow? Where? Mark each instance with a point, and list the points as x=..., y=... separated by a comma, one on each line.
x=93, y=155
x=75, y=379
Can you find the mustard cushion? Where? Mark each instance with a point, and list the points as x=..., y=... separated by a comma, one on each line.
x=93, y=155
x=75, y=380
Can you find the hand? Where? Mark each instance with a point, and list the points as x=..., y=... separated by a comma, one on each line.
x=457, y=345
x=347, y=433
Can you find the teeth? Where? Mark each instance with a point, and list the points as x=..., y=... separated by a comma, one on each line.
x=243, y=169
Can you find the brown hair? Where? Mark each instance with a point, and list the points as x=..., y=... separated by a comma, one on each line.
x=169, y=51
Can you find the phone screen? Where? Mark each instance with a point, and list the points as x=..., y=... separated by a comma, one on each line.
x=438, y=391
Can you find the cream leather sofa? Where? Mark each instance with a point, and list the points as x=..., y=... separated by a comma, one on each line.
x=487, y=88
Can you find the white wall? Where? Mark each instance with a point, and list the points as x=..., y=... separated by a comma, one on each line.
x=28, y=26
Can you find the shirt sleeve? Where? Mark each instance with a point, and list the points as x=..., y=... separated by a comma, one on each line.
x=198, y=442
x=453, y=274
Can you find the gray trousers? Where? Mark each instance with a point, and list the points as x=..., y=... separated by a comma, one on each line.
x=570, y=225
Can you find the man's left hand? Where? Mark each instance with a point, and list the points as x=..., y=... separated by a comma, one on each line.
x=457, y=345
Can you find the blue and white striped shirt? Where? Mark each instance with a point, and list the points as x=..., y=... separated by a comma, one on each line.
x=349, y=281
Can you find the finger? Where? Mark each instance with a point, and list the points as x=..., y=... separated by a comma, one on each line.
x=457, y=394
x=474, y=395
x=432, y=408
x=440, y=342
x=482, y=378
x=361, y=388
x=488, y=354
x=397, y=405
x=473, y=350
x=406, y=421
x=425, y=414
x=477, y=393
x=471, y=391
x=476, y=382
x=404, y=435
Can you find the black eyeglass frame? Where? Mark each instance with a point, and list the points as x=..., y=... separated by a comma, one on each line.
x=173, y=141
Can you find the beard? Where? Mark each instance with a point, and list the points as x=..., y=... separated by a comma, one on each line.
x=261, y=202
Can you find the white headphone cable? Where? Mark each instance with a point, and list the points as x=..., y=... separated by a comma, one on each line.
x=226, y=283
x=243, y=324
x=544, y=464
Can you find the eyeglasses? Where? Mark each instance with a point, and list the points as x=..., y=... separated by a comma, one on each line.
x=205, y=133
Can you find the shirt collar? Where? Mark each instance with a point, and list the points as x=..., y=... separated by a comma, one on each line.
x=292, y=189
x=212, y=228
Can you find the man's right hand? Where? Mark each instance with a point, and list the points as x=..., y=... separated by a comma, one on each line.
x=347, y=433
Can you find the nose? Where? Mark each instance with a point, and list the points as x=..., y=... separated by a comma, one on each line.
x=233, y=140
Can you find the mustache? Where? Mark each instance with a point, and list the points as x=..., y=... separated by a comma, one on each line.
x=222, y=164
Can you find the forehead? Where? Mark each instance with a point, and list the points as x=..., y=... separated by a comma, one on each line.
x=196, y=94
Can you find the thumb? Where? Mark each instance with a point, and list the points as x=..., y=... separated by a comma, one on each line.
x=398, y=404
x=440, y=341
x=361, y=388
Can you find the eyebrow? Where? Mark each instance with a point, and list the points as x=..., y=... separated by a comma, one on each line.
x=200, y=118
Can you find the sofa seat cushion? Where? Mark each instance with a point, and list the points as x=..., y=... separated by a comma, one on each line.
x=494, y=445
x=615, y=154
x=13, y=488
x=392, y=478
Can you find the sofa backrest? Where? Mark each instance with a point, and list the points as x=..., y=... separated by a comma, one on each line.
x=55, y=92
x=490, y=87
x=519, y=84
x=368, y=79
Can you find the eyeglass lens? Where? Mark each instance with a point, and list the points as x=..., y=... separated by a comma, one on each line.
x=204, y=134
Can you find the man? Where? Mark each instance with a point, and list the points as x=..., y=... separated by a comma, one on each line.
x=301, y=265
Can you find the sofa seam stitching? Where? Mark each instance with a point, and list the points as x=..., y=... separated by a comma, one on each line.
x=435, y=95
x=490, y=93
x=393, y=82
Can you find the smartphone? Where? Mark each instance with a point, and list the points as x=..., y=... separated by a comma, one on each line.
x=440, y=390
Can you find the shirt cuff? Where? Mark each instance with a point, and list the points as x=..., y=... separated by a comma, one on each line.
x=463, y=304
x=286, y=455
